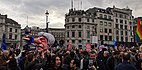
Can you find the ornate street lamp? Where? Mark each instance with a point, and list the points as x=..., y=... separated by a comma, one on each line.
x=46, y=13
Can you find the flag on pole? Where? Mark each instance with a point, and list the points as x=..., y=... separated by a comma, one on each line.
x=139, y=30
x=3, y=44
x=114, y=43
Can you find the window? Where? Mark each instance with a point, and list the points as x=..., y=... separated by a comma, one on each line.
x=88, y=27
x=130, y=27
x=101, y=30
x=125, y=16
x=15, y=30
x=73, y=26
x=110, y=31
x=79, y=19
x=121, y=26
x=121, y=32
x=117, y=32
x=79, y=34
x=121, y=38
x=131, y=39
x=101, y=37
x=15, y=37
x=10, y=30
x=92, y=20
x=105, y=23
x=120, y=15
x=116, y=20
x=101, y=16
x=73, y=19
x=105, y=37
x=116, y=26
x=109, y=17
x=67, y=27
x=88, y=20
x=68, y=34
x=79, y=41
x=105, y=30
x=126, y=39
x=125, y=21
x=10, y=36
x=110, y=38
x=93, y=27
x=125, y=27
x=101, y=22
x=73, y=41
x=67, y=20
x=131, y=33
x=130, y=23
x=121, y=21
x=79, y=26
x=126, y=33
x=105, y=16
x=117, y=38
x=88, y=34
x=109, y=24
x=116, y=14
x=73, y=34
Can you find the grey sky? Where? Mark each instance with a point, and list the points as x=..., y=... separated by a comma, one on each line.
x=35, y=9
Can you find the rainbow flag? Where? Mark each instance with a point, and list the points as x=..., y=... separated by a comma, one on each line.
x=139, y=30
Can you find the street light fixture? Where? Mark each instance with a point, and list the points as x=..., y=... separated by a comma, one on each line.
x=46, y=13
x=108, y=38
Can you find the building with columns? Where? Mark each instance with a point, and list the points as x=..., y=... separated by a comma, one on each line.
x=123, y=24
x=80, y=26
x=107, y=24
x=11, y=30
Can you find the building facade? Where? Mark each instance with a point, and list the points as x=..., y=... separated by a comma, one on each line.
x=123, y=24
x=80, y=26
x=59, y=33
x=11, y=29
x=107, y=24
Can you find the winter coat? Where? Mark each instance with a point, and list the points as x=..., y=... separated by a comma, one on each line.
x=125, y=66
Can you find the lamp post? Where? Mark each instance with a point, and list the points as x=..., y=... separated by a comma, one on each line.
x=108, y=38
x=46, y=13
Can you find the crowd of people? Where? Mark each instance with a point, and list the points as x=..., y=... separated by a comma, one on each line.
x=75, y=59
x=68, y=57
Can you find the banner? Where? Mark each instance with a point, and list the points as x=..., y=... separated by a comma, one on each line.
x=94, y=39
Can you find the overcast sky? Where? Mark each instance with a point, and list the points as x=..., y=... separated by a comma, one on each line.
x=35, y=9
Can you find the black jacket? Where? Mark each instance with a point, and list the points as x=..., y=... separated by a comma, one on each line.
x=125, y=66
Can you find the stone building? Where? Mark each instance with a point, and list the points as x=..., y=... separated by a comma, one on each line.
x=80, y=26
x=123, y=24
x=11, y=29
x=107, y=24
x=59, y=33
